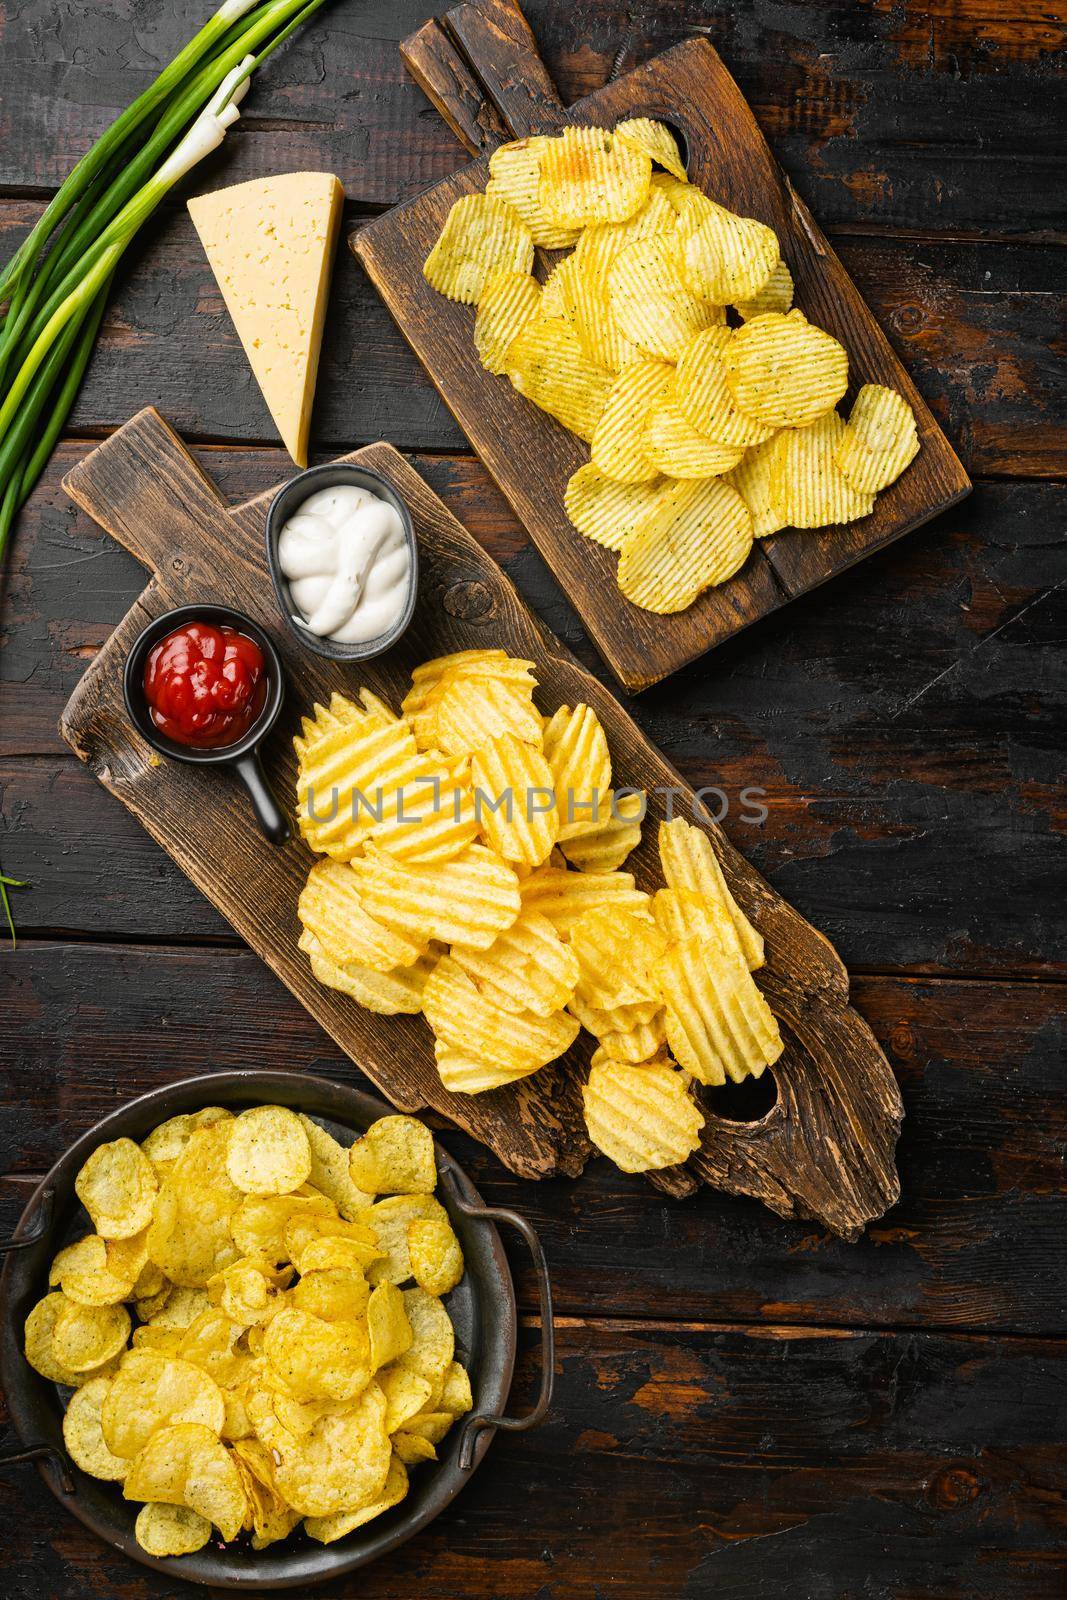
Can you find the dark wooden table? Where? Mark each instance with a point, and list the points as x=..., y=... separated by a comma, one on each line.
x=744, y=1407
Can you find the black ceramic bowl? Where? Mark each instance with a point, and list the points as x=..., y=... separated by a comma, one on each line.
x=243, y=755
x=482, y=1308
x=286, y=502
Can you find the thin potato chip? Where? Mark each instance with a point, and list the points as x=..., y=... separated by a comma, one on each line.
x=342, y=1464
x=617, y=448
x=434, y=1343
x=81, y=1270
x=118, y=1188
x=651, y=301
x=783, y=371
x=656, y=140
x=411, y=1448
x=604, y=510
x=674, y=446
x=507, y=303
x=258, y=1226
x=167, y=1142
x=526, y=968
x=515, y=177
x=151, y=1391
x=615, y=837
x=436, y=1256
x=776, y=295
x=317, y=1360
x=514, y=797
x=388, y=1327
x=547, y=364
x=389, y=1219
x=481, y=235
x=727, y=258
x=691, y=866
x=753, y=478
x=698, y=534
x=394, y=1156
x=641, y=1117
x=704, y=397
x=249, y=1291
x=456, y=1394
x=187, y=1465
x=718, y=1024
x=39, y=1348
x=587, y=176
x=83, y=1437
x=85, y=1337
x=268, y=1151
x=329, y=1168
x=406, y=1393
x=806, y=481
x=342, y=1523
x=336, y=1294
x=164, y=1530
x=879, y=441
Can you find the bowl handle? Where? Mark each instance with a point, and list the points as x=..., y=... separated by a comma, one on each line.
x=478, y=1421
x=43, y=1452
x=42, y=1223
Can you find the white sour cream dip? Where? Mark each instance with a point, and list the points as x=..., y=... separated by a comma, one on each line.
x=348, y=564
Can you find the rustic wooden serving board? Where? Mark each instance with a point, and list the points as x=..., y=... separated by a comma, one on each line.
x=825, y=1149
x=482, y=71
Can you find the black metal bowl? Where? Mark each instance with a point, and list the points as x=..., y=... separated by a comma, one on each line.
x=482, y=1308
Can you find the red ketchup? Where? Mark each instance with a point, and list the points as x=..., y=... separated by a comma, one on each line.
x=205, y=685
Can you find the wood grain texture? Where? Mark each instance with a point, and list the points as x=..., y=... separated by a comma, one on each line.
x=531, y=456
x=451, y=88
x=689, y=1461
x=975, y=1240
x=148, y=492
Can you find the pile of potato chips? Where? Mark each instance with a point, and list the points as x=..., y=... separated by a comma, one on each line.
x=471, y=870
x=706, y=433
x=243, y=1351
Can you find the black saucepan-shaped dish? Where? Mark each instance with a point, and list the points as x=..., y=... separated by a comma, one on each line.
x=482, y=1308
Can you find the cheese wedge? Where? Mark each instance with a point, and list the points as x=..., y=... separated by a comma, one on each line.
x=271, y=245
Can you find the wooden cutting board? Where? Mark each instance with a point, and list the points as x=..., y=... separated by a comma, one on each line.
x=482, y=71
x=825, y=1150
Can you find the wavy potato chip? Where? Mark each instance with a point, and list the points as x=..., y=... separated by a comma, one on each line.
x=616, y=952
x=165, y=1530
x=507, y=303
x=390, y=994
x=691, y=867
x=585, y=300
x=588, y=176
x=564, y=897
x=118, y=1188
x=467, y=710
x=514, y=798
x=482, y=234
x=727, y=258
x=643, y=1041
x=656, y=140
x=623, y=1017
x=394, y=1156
x=85, y=1337
x=783, y=371
x=618, y=443
x=776, y=295
x=754, y=479
x=605, y=510
x=576, y=748
x=463, y=1073
x=642, y=1117
x=435, y=1253
x=718, y=1024
x=515, y=177
x=806, y=481
x=547, y=364
x=675, y=448
x=703, y=394
x=696, y=535
x=526, y=968
x=616, y=835
x=466, y=901
x=347, y=778
x=880, y=439
x=152, y=1391
x=82, y=1433
x=495, y=664
x=331, y=907
x=511, y=1041
x=651, y=301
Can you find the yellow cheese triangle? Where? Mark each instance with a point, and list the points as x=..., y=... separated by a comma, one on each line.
x=271, y=244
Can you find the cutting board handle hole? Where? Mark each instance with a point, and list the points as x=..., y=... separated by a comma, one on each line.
x=749, y=1101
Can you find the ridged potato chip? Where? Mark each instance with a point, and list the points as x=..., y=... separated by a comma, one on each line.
x=616, y=953
x=187, y=1465
x=697, y=534
x=347, y=779
x=390, y=994
x=152, y=1391
x=482, y=234
x=331, y=907
x=879, y=441
x=727, y=258
x=564, y=897
x=494, y=663
x=526, y=968
x=83, y=1437
x=268, y=1151
x=676, y=191
x=588, y=176
x=436, y=1256
x=164, y=1530
x=650, y=300
x=394, y=1156
x=515, y=177
x=783, y=371
x=469, y=710
x=605, y=510
x=615, y=837
x=644, y=1041
x=431, y=816
x=681, y=913
x=514, y=799
x=618, y=443
x=690, y=866
x=547, y=364
x=342, y=1523
x=329, y=1169
x=85, y=1337
x=776, y=295
x=461, y=1016
x=642, y=1117
x=389, y=1218
x=704, y=397
x=507, y=303
x=118, y=1188
x=602, y=241
x=623, y=1017
x=656, y=140
x=806, y=481
x=462, y=1073
x=466, y=901
x=388, y=1328
x=754, y=478
x=718, y=1024
x=583, y=293
x=576, y=749
x=674, y=446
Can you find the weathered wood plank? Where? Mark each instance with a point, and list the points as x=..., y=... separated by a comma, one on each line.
x=711, y=1460
x=906, y=115
x=903, y=725
x=978, y=327
x=975, y=1240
